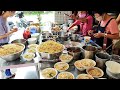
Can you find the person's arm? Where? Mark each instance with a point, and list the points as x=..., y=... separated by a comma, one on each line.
x=7, y=34
x=113, y=30
x=77, y=22
x=3, y=34
x=118, y=19
x=111, y=36
x=84, y=20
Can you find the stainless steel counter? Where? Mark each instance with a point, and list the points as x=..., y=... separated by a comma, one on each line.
x=71, y=69
x=20, y=63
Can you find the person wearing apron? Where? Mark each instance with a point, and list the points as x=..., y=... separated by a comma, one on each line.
x=5, y=33
x=106, y=31
x=100, y=41
x=116, y=43
x=84, y=20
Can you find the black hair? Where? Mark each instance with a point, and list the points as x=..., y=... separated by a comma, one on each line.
x=1, y=12
x=99, y=12
x=75, y=12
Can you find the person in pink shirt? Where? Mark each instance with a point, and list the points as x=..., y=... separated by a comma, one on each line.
x=84, y=20
x=106, y=31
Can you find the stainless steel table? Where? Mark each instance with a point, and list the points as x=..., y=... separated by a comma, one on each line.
x=19, y=63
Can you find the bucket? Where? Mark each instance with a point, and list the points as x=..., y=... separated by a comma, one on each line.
x=101, y=58
x=75, y=52
x=89, y=51
x=115, y=58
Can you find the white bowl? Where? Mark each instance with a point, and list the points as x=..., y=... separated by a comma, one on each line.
x=48, y=71
x=67, y=61
x=32, y=40
x=95, y=76
x=28, y=54
x=66, y=75
x=113, y=67
x=35, y=35
x=61, y=65
x=83, y=66
x=79, y=68
x=87, y=39
x=84, y=76
x=93, y=63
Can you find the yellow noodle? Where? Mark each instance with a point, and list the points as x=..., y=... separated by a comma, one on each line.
x=50, y=47
x=10, y=49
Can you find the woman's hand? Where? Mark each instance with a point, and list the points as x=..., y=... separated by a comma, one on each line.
x=14, y=30
x=73, y=16
x=98, y=35
x=90, y=32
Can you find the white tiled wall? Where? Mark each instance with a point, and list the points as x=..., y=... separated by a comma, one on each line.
x=60, y=18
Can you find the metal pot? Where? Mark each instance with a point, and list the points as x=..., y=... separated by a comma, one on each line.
x=109, y=75
x=70, y=21
x=112, y=75
x=89, y=51
x=75, y=52
x=113, y=68
x=71, y=44
x=46, y=39
x=101, y=58
x=46, y=34
x=115, y=58
x=50, y=56
x=62, y=33
x=75, y=37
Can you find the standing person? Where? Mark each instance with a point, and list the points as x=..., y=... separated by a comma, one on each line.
x=116, y=43
x=84, y=20
x=75, y=13
x=106, y=31
x=5, y=32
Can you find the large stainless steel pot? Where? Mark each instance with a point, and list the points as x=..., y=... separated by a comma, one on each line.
x=101, y=58
x=70, y=21
x=15, y=56
x=50, y=56
x=46, y=34
x=115, y=58
x=75, y=37
x=75, y=52
x=89, y=51
x=62, y=33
